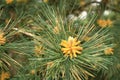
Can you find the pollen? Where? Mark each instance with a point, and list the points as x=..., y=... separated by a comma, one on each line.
x=71, y=47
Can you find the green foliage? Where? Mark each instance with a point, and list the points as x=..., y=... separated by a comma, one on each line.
x=92, y=57
x=32, y=31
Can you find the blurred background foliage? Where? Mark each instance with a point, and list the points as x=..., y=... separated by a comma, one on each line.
x=22, y=34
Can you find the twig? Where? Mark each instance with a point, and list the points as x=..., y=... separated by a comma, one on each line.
x=26, y=33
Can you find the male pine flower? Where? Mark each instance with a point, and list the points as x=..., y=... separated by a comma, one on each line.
x=9, y=1
x=109, y=22
x=108, y=51
x=71, y=47
x=32, y=71
x=2, y=39
x=104, y=23
x=4, y=75
x=46, y=1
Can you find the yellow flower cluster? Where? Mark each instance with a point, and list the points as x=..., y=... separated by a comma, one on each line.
x=2, y=39
x=71, y=47
x=9, y=1
x=4, y=75
x=108, y=51
x=104, y=23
